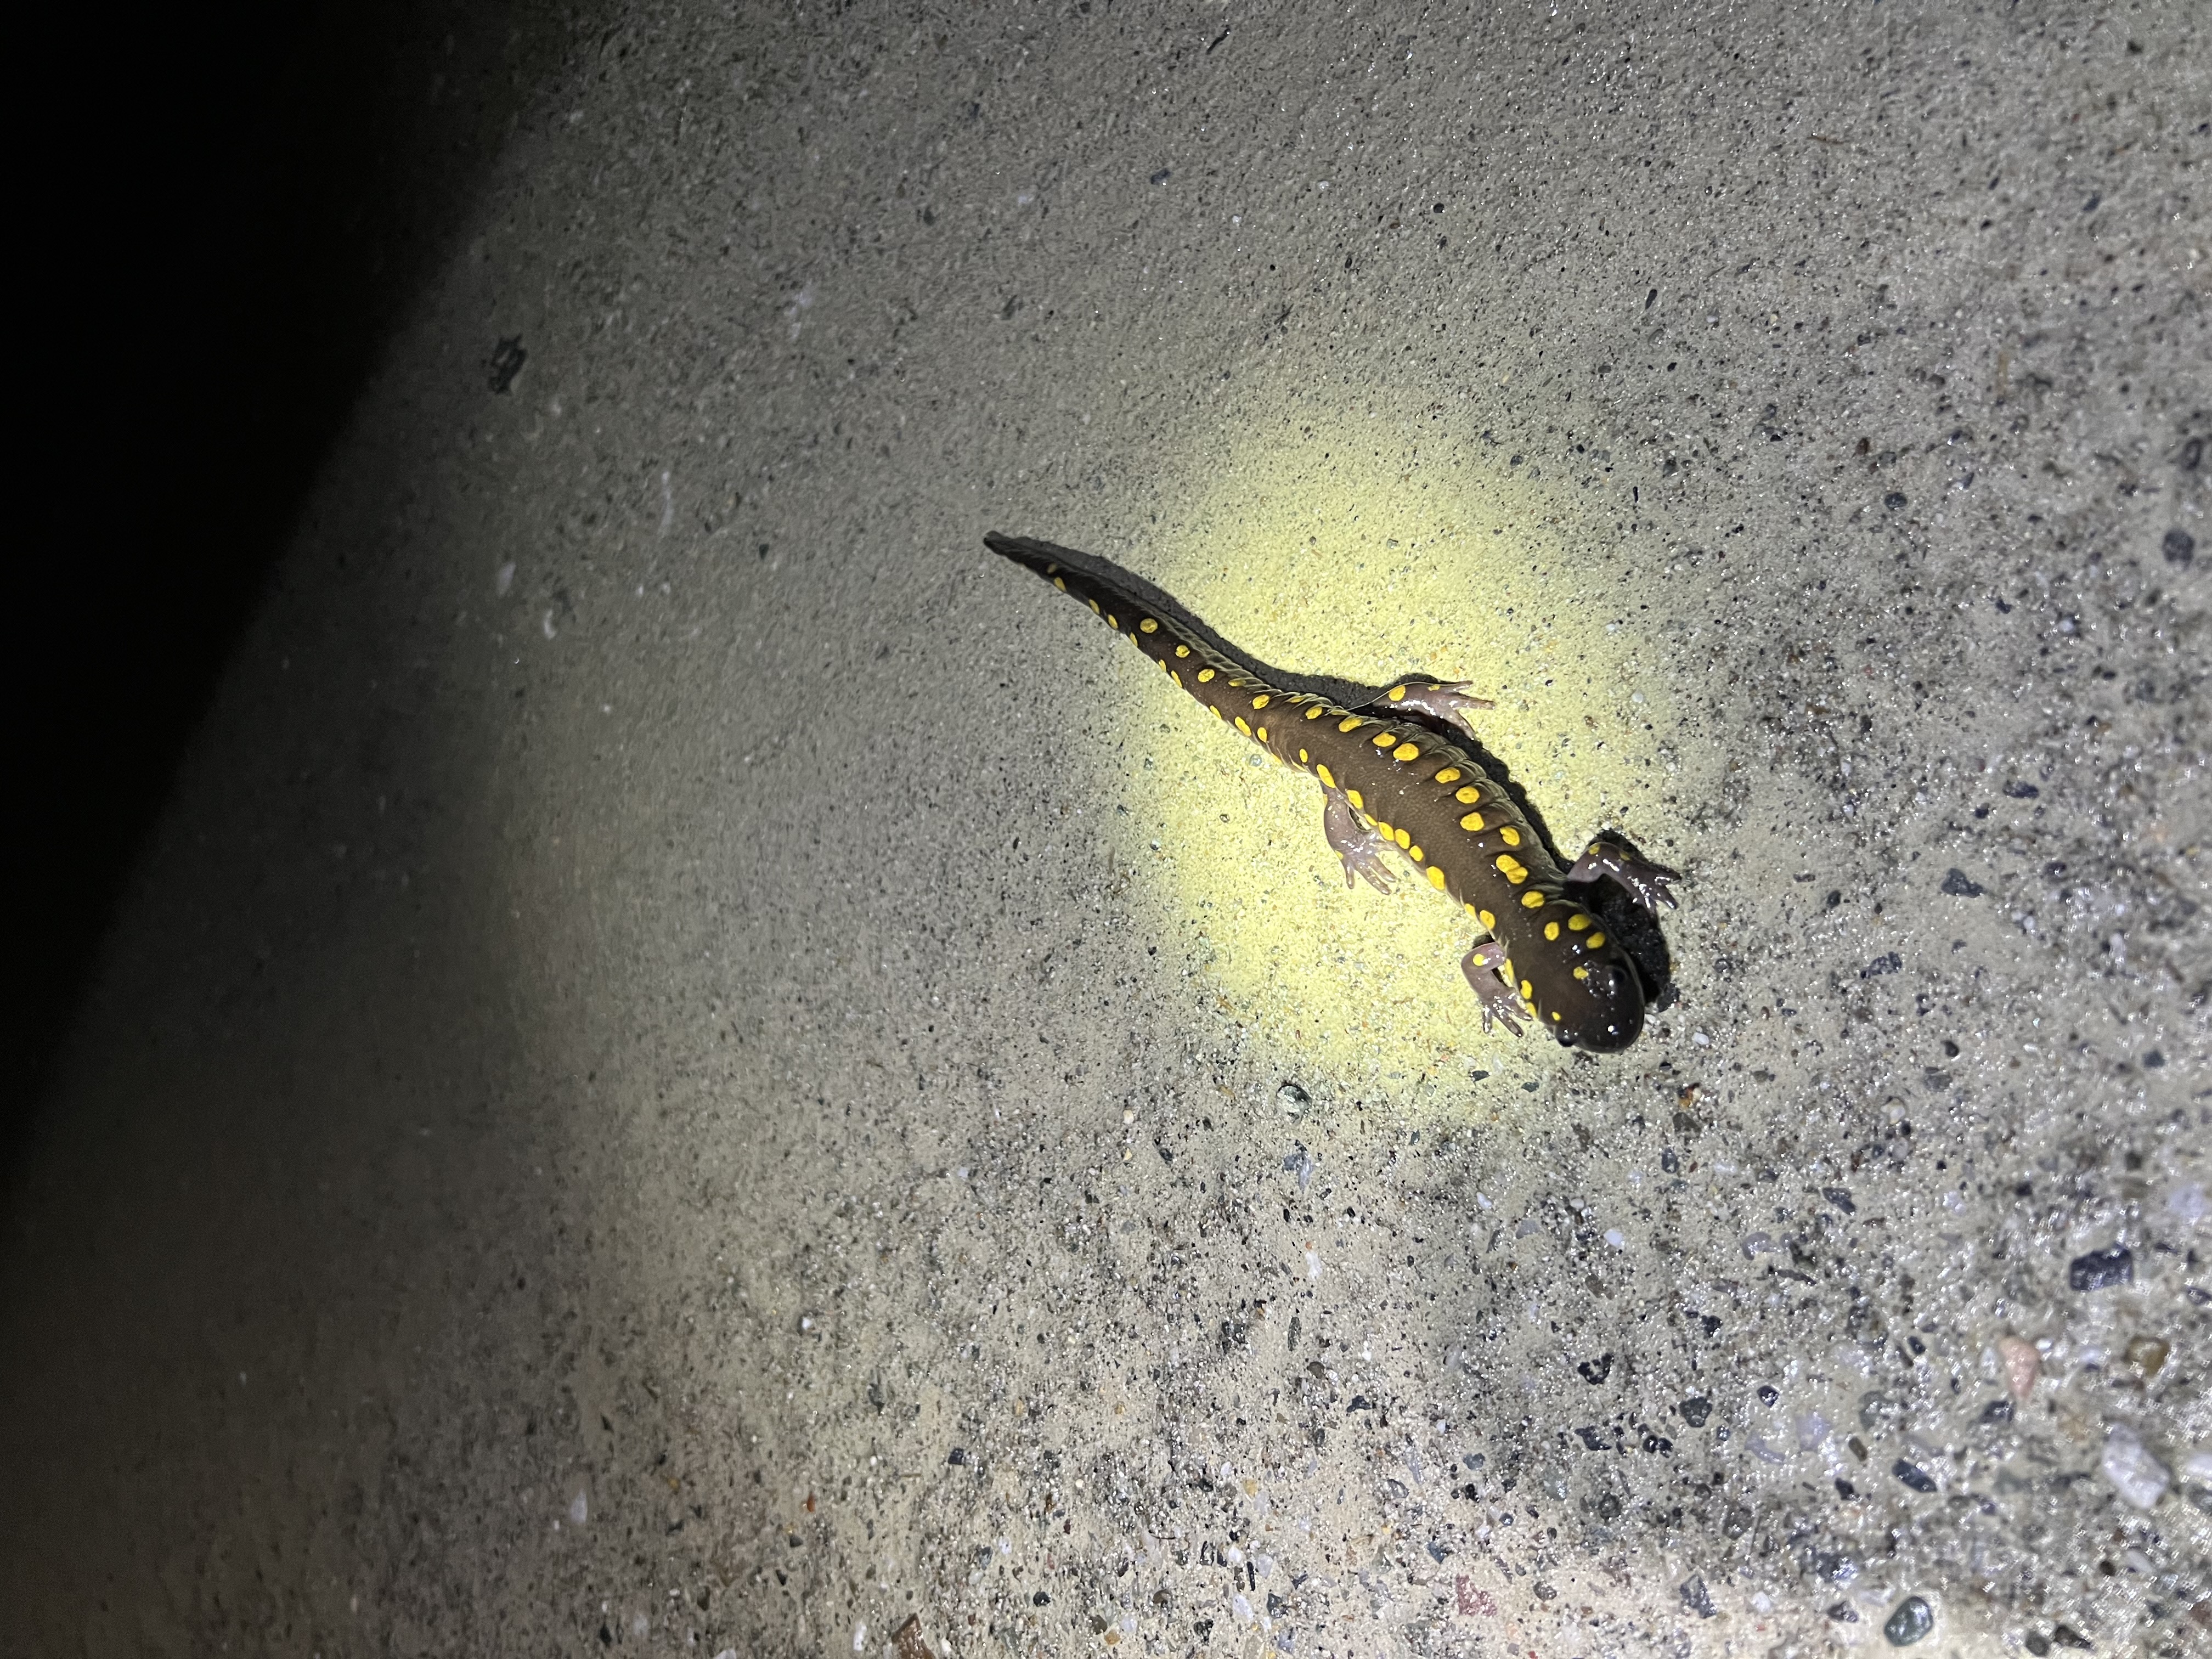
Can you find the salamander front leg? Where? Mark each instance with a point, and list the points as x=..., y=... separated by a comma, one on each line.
x=1448, y=701
x=1498, y=1002
x=1358, y=846
x=1646, y=883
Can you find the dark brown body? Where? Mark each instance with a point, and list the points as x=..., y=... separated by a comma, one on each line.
x=1415, y=787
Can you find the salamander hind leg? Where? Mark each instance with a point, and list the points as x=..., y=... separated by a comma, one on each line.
x=1646, y=883
x=1481, y=967
x=1447, y=701
x=1358, y=846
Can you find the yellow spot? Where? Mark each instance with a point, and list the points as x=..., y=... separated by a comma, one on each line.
x=1485, y=918
x=1469, y=796
x=1061, y=582
x=1406, y=752
x=1397, y=694
x=1436, y=878
x=1513, y=869
x=1172, y=675
x=1576, y=922
x=1555, y=1013
x=1551, y=930
x=1417, y=854
x=1241, y=727
x=1401, y=838
x=1218, y=714
x=1182, y=651
x=1328, y=780
x=1597, y=941
x=1509, y=970
x=1302, y=757
x=1262, y=734
x=1384, y=740
x=1096, y=610
x=1582, y=972
x=1527, y=992
x=1259, y=701
x=1476, y=914
x=1164, y=669
x=1148, y=626
x=1532, y=901
x=1112, y=623
x=1449, y=775
x=1204, y=675
x=1350, y=723
x=1508, y=834
x=1316, y=711
x=1353, y=795
x=1472, y=821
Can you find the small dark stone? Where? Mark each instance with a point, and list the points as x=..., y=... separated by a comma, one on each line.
x=1894, y=499
x=1840, y=1199
x=1277, y=1607
x=1844, y=1489
x=1546, y=1593
x=1474, y=1460
x=1359, y=1403
x=2100, y=1270
x=507, y=360
x=1736, y=1522
x=1591, y=1438
x=2178, y=546
x=1472, y=1492
x=1959, y=885
x=1668, y=1162
x=1609, y=1507
x=1695, y=1411
x=2067, y=1637
x=1888, y=962
x=2036, y=1642
x=958, y=1456
x=1997, y=1411
x=1162, y=176
x=1596, y=1370
x=2020, y=790
x=1040, y=1600
x=1842, y=1613
x=1912, y=1475
x=2153, y=1061
x=1204, y=1628
x=1767, y=1396
x=1438, y=1554
x=606, y=1636
x=1913, y=1620
x=1696, y=1597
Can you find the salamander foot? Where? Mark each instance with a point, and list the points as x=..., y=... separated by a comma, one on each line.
x=1646, y=884
x=1480, y=965
x=1360, y=847
x=1448, y=701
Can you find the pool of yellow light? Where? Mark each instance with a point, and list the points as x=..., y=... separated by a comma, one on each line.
x=1355, y=554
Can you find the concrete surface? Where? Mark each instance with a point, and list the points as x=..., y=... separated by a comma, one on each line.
x=656, y=1093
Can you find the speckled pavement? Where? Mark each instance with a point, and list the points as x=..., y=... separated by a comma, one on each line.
x=701, y=1066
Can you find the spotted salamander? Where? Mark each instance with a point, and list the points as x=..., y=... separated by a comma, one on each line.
x=1392, y=777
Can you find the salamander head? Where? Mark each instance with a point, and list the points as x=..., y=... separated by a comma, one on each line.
x=1604, y=1012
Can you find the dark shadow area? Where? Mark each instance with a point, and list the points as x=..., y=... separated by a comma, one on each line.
x=237, y=206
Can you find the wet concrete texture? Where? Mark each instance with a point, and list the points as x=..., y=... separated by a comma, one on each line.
x=701, y=1065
